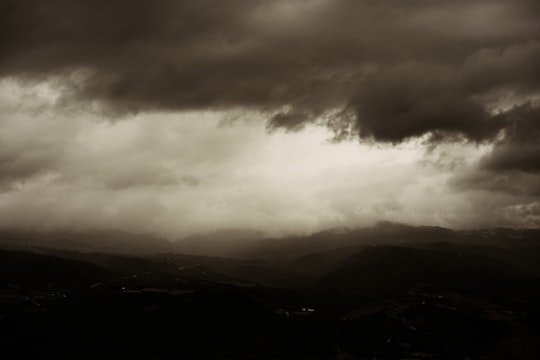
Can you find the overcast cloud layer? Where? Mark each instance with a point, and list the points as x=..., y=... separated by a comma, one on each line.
x=183, y=116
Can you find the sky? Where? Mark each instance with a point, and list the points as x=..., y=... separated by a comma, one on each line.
x=184, y=117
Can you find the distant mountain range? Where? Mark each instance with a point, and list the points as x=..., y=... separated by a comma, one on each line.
x=252, y=244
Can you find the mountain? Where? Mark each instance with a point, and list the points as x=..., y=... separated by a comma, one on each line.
x=387, y=292
x=249, y=244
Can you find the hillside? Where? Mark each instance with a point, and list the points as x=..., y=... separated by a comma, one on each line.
x=415, y=293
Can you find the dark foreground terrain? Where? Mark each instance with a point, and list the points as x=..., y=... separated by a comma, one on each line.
x=409, y=293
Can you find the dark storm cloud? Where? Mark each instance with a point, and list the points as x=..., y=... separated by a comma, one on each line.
x=511, y=169
x=404, y=68
x=413, y=99
x=519, y=147
x=410, y=100
x=139, y=55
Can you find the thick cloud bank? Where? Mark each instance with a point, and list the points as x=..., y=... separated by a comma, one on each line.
x=404, y=68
